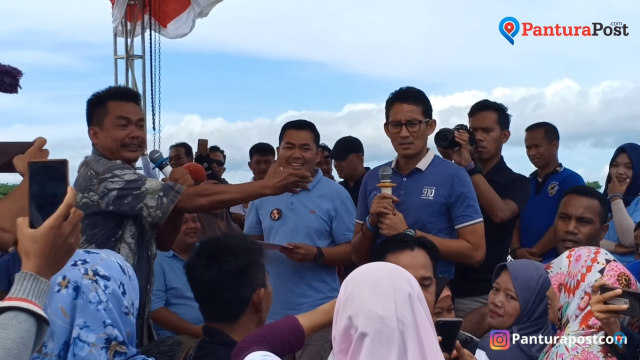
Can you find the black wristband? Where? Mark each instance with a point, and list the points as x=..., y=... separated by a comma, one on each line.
x=477, y=169
x=513, y=251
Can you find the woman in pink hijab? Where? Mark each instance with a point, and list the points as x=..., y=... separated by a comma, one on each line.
x=381, y=313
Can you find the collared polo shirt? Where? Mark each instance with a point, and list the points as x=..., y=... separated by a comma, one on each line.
x=321, y=216
x=171, y=290
x=476, y=281
x=436, y=197
x=540, y=213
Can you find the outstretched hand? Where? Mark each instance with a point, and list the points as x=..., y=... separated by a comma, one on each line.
x=279, y=179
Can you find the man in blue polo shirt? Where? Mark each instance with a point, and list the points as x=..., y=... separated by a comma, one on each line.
x=433, y=197
x=316, y=225
x=533, y=237
x=174, y=310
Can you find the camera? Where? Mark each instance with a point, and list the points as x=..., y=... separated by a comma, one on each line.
x=445, y=138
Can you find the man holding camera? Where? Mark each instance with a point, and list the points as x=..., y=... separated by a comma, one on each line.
x=501, y=193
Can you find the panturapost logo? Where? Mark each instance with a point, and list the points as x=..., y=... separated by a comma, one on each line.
x=499, y=339
x=509, y=28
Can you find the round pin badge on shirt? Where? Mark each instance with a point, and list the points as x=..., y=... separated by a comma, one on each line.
x=276, y=214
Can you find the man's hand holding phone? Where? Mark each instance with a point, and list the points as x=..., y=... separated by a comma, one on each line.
x=35, y=152
x=45, y=250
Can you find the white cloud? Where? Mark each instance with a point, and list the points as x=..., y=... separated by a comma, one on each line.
x=592, y=121
x=454, y=44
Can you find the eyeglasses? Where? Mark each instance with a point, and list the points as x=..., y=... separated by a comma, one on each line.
x=218, y=163
x=176, y=158
x=412, y=126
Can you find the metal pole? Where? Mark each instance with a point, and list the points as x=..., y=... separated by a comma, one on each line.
x=126, y=47
x=144, y=63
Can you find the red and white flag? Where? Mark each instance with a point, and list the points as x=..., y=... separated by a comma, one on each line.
x=176, y=18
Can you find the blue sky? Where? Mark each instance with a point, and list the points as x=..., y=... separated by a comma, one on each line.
x=252, y=65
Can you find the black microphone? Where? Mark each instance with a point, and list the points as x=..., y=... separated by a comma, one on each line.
x=385, y=180
x=160, y=162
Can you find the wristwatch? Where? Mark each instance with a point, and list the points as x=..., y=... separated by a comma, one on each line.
x=410, y=232
x=319, y=255
x=611, y=196
x=476, y=169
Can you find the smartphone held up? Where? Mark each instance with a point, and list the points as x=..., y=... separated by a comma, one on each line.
x=48, y=182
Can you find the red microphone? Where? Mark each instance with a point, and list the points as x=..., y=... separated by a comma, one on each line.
x=197, y=172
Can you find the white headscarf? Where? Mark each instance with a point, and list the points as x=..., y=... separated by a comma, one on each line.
x=381, y=313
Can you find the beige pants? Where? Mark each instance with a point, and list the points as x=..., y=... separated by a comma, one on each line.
x=316, y=347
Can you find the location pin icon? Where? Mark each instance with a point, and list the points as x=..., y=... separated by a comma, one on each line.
x=509, y=28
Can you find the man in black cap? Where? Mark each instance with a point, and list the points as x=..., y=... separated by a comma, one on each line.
x=348, y=156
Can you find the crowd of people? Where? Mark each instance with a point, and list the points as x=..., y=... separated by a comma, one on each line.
x=296, y=265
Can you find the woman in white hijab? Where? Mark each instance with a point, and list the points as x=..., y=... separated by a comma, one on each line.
x=381, y=313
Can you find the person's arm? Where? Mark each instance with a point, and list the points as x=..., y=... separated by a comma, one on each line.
x=207, y=197
x=15, y=204
x=362, y=243
x=169, y=230
x=44, y=251
x=23, y=324
x=475, y=322
x=287, y=335
x=546, y=243
x=169, y=320
x=365, y=231
x=623, y=222
x=468, y=248
x=499, y=210
x=615, y=248
x=333, y=255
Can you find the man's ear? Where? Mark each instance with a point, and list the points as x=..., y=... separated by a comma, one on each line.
x=504, y=136
x=94, y=134
x=603, y=231
x=431, y=126
x=257, y=299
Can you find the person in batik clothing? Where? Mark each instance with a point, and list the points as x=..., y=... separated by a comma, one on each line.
x=572, y=276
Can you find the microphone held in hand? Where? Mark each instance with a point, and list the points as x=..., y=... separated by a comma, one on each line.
x=385, y=184
x=160, y=162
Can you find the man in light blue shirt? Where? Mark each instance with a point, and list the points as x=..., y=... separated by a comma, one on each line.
x=174, y=310
x=315, y=225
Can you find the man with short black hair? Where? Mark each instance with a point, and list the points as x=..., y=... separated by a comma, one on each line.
x=231, y=265
x=533, y=236
x=418, y=255
x=348, y=157
x=261, y=157
x=218, y=160
x=502, y=194
x=581, y=219
x=325, y=162
x=132, y=214
x=433, y=197
x=314, y=225
x=180, y=153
